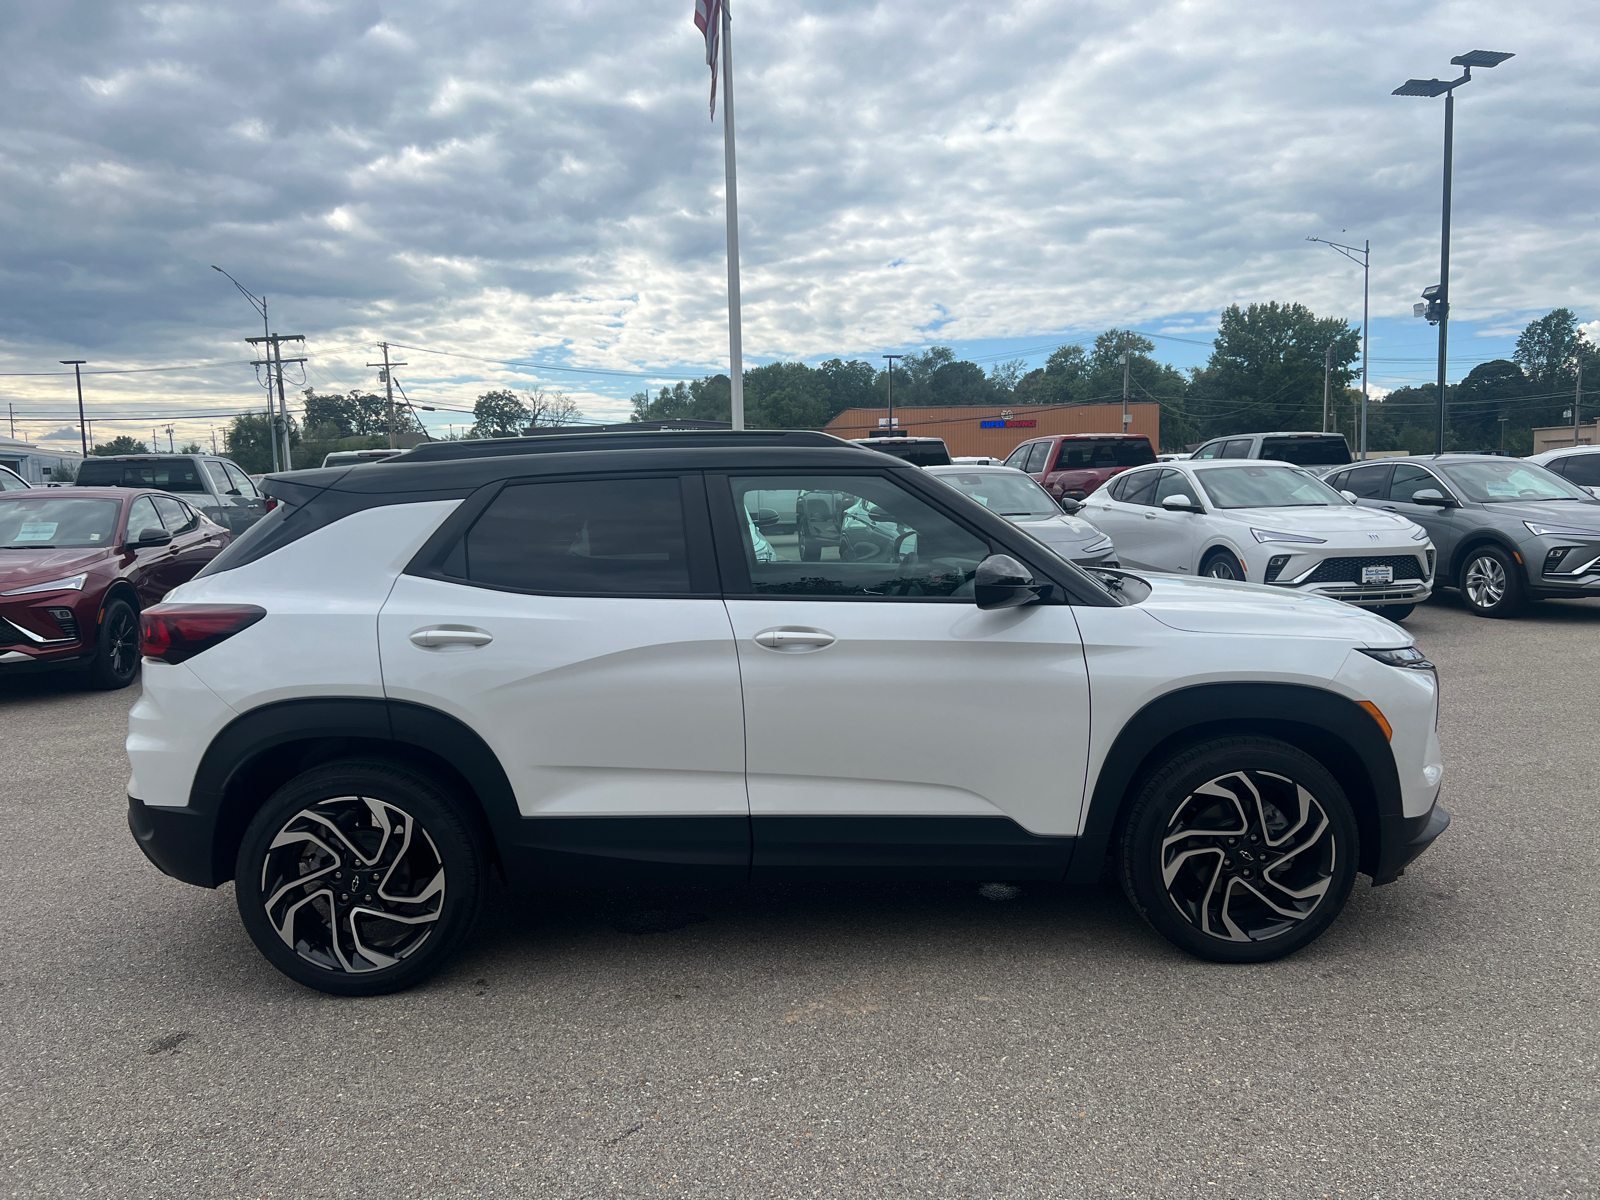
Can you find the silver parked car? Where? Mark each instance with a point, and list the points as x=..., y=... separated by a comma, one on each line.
x=1019, y=499
x=217, y=486
x=1507, y=530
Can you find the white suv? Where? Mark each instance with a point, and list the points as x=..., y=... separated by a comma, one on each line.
x=562, y=658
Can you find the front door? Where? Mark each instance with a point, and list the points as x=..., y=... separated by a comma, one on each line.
x=575, y=626
x=892, y=727
x=1442, y=524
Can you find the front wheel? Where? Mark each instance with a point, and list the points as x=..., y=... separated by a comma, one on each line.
x=1220, y=564
x=1491, y=583
x=359, y=878
x=116, y=650
x=1241, y=849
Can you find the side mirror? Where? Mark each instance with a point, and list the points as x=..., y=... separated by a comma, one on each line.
x=1350, y=496
x=880, y=514
x=766, y=518
x=1003, y=582
x=1070, y=506
x=1180, y=503
x=1593, y=491
x=1431, y=496
x=151, y=536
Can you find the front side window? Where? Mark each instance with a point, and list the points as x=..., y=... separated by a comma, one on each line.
x=591, y=537
x=1237, y=448
x=1265, y=487
x=869, y=538
x=1173, y=483
x=1409, y=480
x=241, y=481
x=45, y=520
x=218, y=477
x=1502, y=481
x=141, y=516
x=1209, y=451
x=12, y=482
x=1018, y=457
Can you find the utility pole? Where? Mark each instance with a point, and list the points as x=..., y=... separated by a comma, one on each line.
x=171, y=449
x=1365, y=260
x=83, y=427
x=891, y=358
x=1327, y=386
x=278, y=411
x=259, y=303
x=1127, y=365
x=388, y=390
x=1503, y=421
x=1577, y=400
x=11, y=412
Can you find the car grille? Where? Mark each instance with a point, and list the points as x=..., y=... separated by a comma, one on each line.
x=10, y=635
x=1348, y=570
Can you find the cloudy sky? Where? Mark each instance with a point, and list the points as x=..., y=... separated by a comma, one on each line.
x=485, y=182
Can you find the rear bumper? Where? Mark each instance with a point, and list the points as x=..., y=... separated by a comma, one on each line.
x=177, y=840
x=1404, y=839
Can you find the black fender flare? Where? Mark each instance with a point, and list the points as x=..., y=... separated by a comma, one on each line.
x=1336, y=731
x=1476, y=540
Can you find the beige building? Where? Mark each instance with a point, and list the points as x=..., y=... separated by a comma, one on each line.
x=997, y=431
x=1554, y=437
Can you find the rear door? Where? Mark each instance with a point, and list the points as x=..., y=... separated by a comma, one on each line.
x=153, y=567
x=1120, y=509
x=192, y=547
x=893, y=728
x=576, y=626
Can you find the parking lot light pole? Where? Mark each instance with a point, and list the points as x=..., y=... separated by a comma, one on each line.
x=1365, y=260
x=1447, y=89
x=891, y=358
x=77, y=373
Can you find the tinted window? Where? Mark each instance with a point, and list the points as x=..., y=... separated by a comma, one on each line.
x=1368, y=483
x=39, y=517
x=1038, y=455
x=169, y=475
x=1141, y=487
x=175, y=515
x=1409, y=480
x=1173, y=483
x=241, y=481
x=1582, y=469
x=612, y=537
x=885, y=543
x=1118, y=486
x=142, y=516
x=1237, y=448
x=1307, y=451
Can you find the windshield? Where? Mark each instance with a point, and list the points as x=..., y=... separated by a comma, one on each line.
x=1307, y=451
x=1265, y=487
x=1009, y=493
x=57, y=522
x=1498, y=481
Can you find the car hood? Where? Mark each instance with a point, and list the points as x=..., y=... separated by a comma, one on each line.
x=1060, y=530
x=1580, y=514
x=1335, y=518
x=19, y=568
x=1244, y=609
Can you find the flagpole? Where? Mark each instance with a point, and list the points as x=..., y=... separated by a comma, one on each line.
x=735, y=336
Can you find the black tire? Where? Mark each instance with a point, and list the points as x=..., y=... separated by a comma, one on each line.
x=116, y=648
x=1491, y=583
x=1395, y=612
x=809, y=550
x=1221, y=564
x=1253, y=798
x=426, y=866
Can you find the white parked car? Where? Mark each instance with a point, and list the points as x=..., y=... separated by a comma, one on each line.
x=1576, y=464
x=1265, y=522
x=575, y=666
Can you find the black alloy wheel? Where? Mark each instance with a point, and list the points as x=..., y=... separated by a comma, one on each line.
x=1220, y=564
x=1491, y=583
x=809, y=550
x=116, y=651
x=1395, y=612
x=359, y=878
x=1242, y=849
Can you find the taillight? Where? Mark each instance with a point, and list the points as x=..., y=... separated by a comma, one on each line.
x=271, y=504
x=174, y=632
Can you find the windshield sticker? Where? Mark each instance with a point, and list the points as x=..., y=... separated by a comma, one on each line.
x=1496, y=487
x=36, y=531
x=94, y=537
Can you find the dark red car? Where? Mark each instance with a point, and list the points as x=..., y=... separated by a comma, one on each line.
x=1074, y=464
x=78, y=564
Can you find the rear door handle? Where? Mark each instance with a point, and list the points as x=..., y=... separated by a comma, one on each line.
x=792, y=640
x=450, y=635
x=1389, y=508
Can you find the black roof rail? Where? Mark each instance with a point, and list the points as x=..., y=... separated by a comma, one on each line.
x=567, y=443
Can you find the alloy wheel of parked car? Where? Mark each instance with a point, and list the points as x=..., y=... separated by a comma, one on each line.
x=1490, y=584
x=1240, y=850
x=1222, y=565
x=116, y=658
x=358, y=878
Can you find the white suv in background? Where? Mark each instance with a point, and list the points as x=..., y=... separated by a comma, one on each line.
x=563, y=658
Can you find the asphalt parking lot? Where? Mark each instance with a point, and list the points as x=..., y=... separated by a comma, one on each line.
x=1440, y=1040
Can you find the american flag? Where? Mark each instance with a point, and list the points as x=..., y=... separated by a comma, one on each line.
x=708, y=20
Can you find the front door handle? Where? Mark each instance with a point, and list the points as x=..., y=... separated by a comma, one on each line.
x=1150, y=516
x=792, y=640
x=450, y=635
x=1389, y=508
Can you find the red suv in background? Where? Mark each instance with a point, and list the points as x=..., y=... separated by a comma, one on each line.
x=1071, y=465
x=78, y=564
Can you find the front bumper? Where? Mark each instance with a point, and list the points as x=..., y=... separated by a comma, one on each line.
x=1407, y=591
x=1404, y=839
x=177, y=840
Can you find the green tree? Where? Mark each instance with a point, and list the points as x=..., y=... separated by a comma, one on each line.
x=1548, y=349
x=248, y=441
x=499, y=413
x=960, y=383
x=190, y=448
x=1266, y=369
x=121, y=444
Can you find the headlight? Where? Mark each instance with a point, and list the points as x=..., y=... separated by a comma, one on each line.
x=1269, y=535
x=73, y=583
x=1407, y=656
x=1541, y=529
x=1421, y=535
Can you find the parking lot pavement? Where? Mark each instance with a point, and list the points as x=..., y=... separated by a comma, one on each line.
x=1440, y=1040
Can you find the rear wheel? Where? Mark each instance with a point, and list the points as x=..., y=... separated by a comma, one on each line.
x=1395, y=612
x=359, y=878
x=116, y=651
x=1491, y=583
x=1220, y=564
x=809, y=550
x=1241, y=849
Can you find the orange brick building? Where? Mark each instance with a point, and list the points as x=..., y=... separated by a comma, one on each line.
x=977, y=430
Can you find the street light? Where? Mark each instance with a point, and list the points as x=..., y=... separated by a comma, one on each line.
x=1447, y=89
x=891, y=358
x=1365, y=260
x=259, y=303
x=77, y=373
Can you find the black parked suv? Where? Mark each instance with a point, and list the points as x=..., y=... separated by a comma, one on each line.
x=218, y=487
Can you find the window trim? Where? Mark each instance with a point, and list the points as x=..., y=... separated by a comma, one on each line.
x=1388, y=487
x=428, y=562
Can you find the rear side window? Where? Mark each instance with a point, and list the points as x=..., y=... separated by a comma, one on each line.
x=177, y=516
x=594, y=537
x=1366, y=483
x=1582, y=469
x=167, y=475
x=1307, y=452
x=1141, y=487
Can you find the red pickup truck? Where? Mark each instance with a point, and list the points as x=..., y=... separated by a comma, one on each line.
x=1075, y=464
